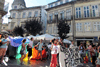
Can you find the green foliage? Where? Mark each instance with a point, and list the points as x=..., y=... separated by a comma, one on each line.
x=18, y=31
x=63, y=29
x=33, y=27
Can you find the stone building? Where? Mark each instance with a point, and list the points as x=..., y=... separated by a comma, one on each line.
x=82, y=15
x=61, y=9
x=2, y=12
x=4, y=27
x=21, y=13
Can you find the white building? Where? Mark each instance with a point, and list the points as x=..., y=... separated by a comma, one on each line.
x=21, y=13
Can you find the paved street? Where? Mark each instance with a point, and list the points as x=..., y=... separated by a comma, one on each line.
x=34, y=63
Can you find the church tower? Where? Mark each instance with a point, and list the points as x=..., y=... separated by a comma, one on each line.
x=18, y=4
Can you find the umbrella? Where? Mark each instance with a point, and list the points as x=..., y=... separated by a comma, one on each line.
x=31, y=36
x=46, y=37
x=18, y=37
x=4, y=31
x=66, y=41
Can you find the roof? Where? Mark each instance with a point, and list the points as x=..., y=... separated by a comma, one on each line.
x=61, y=5
x=19, y=2
x=73, y=1
x=27, y=8
x=54, y=2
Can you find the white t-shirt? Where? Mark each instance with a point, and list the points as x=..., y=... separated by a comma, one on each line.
x=71, y=46
x=40, y=46
x=31, y=44
x=54, y=49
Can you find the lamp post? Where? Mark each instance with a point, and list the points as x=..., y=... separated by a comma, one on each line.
x=73, y=22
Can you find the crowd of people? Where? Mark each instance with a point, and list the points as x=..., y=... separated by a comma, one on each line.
x=88, y=53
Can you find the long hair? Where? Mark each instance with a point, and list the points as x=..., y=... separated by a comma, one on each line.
x=23, y=40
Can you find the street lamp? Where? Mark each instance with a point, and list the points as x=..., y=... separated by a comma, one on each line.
x=73, y=22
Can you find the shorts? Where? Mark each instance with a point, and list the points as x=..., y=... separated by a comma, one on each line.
x=29, y=52
x=40, y=51
x=23, y=52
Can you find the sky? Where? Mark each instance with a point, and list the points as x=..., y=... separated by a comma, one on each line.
x=29, y=3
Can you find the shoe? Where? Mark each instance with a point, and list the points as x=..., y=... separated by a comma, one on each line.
x=21, y=64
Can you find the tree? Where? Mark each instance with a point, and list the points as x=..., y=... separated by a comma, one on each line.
x=63, y=29
x=18, y=31
x=33, y=27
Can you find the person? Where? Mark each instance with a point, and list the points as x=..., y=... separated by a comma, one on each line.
x=54, y=49
x=98, y=59
x=66, y=45
x=61, y=42
x=3, y=48
x=61, y=56
x=72, y=44
x=23, y=50
x=89, y=48
x=30, y=45
x=81, y=51
x=40, y=46
x=93, y=54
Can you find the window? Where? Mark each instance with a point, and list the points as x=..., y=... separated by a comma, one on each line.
x=14, y=15
x=61, y=2
x=56, y=17
x=56, y=4
x=78, y=12
x=36, y=13
x=51, y=5
x=29, y=14
x=78, y=26
x=96, y=26
x=55, y=30
x=95, y=11
x=50, y=30
x=87, y=27
x=68, y=14
x=62, y=15
x=15, y=7
x=19, y=15
x=86, y=11
x=3, y=27
x=50, y=17
x=24, y=14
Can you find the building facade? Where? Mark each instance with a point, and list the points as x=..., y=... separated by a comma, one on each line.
x=4, y=27
x=61, y=9
x=20, y=13
x=82, y=15
x=2, y=12
x=87, y=22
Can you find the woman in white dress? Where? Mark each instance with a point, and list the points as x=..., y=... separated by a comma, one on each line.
x=61, y=56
